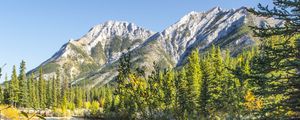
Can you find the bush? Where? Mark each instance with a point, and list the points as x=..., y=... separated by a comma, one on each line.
x=94, y=108
x=9, y=112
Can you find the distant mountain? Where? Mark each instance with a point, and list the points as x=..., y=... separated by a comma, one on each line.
x=93, y=58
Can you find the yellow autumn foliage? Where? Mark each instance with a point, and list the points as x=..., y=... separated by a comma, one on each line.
x=251, y=102
x=9, y=112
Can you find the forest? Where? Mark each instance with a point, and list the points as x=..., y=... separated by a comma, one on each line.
x=260, y=83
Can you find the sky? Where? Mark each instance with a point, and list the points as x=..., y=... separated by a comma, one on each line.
x=33, y=30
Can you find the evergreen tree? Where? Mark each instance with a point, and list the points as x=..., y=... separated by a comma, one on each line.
x=182, y=92
x=14, y=86
x=1, y=95
x=57, y=89
x=7, y=91
x=194, y=82
x=32, y=92
x=42, y=90
x=124, y=70
x=23, y=92
x=278, y=53
x=169, y=90
x=54, y=92
x=49, y=92
x=207, y=76
x=217, y=84
x=155, y=91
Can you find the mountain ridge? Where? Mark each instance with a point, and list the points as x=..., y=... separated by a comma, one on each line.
x=99, y=50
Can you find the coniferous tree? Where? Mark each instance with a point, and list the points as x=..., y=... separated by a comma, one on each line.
x=7, y=91
x=169, y=90
x=194, y=82
x=32, y=92
x=288, y=12
x=182, y=92
x=124, y=70
x=14, y=87
x=155, y=91
x=23, y=92
x=49, y=91
x=207, y=76
x=216, y=84
x=42, y=90
x=57, y=88
x=54, y=92
x=1, y=95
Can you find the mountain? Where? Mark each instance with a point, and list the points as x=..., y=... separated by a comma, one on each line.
x=103, y=44
x=93, y=59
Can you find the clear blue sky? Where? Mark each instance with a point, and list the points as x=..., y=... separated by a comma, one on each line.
x=33, y=30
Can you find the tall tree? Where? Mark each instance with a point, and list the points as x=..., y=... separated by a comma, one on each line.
x=169, y=90
x=57, y=89
x=7, y=91
x=14, y=86
x=155, y=91
x=42, y=90
x=207, y=76
x=194, y=81
x=49, y=92
x=23, y=93
x=182, y=92
x=288, y=12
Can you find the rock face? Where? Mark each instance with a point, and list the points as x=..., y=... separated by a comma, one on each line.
x=94, y=57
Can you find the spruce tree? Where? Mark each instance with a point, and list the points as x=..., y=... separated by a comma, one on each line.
x=155, y=91
x=54, y=93
x=57, y=88
x=49, y=97
x=42, y=90
x=169, y=90
x=14, y=87
x=7, y=91
x=32, y=92
x=194, y=82
x=216, y=84
x=288, y=12
x=182, y=92
x=1, y=95
x=23, y=93
x=207, y=76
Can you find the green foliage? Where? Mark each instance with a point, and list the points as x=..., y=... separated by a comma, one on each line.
x=42, y=90
x=14, y=88
x=50, y=67
x=94, y=108
x=194, y=75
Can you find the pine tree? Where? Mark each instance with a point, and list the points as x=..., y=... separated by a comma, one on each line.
x=182, y=92
x=207, y=76
x=124, y=70
x=278, y=53
x=23, y=93
x=217, y=83
x=42, y=90
x=54, y=93
x=49, y=92
x=169, y=90
x=194, y=82
x=1, y=95
x=14, y=86
x=78, y=97
x=155, y=91
x=57, y=88
x=32, y=92
x=7, y=91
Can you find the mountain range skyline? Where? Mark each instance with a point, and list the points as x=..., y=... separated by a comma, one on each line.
x=35, y=52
